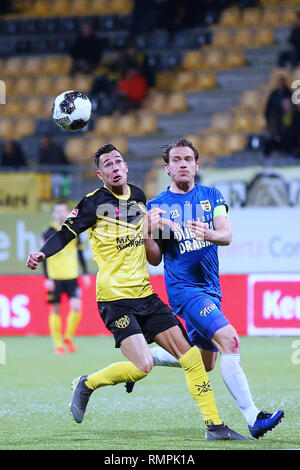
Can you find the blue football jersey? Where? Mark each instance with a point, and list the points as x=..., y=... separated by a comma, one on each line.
x=191, y=267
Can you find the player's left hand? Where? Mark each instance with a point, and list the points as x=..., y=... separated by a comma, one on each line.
x=200, y=230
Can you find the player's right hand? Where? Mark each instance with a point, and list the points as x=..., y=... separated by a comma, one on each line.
x=34, y=259
x=154, y=220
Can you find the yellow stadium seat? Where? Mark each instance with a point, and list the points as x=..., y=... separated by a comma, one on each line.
x=243, y=122
x=62, y=83
x=183, y=80
x=24, y=127
x=102, y=7
x=164, y=80
x=271, y=16
x=121, y=7
x=79, y=7
x=60, y=7
x=276, y=73
x=234, y=143
x=176, y=102
x=214, y=58
x=156, y=103
x=222, y=38
x=7, y=128
x=13, y=66
x=34, y=107
x=289, y=16
x=44, y=86
x=230, y=17
x=127, y=125
x=193, y=60
x=251, y=16
x=264, y=37
x=92, y=145
x=204, y=80
x=75, y=149
x=13, y=107
x=235, y=58
x=259, y=122
x=244, y=37
x=48, y=103
x=151, y=186
x=213, y=145
x=24, y=86
x=221, y=122
x=147, y=123
x=105, y=126
x=250, y=100
x=32, y=66
x=196, y=141
x=53, y=65
x=121, y=143
x=82, y=83
x=40, y=8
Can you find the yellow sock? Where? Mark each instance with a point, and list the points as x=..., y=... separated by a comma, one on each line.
x=55, y=329
x=72, y=322
x=114, y=374
x=199, y=385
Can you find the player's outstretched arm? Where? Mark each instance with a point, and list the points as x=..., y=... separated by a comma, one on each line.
x=53, y=245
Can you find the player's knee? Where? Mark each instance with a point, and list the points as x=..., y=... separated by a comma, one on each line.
x=227, y=340
x=146, y=365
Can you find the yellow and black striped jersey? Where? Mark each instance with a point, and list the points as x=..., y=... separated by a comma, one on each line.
x=114, y=226
x=64, y=265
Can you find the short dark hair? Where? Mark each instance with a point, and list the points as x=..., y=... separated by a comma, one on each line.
x=107, y=148
x=179, y=143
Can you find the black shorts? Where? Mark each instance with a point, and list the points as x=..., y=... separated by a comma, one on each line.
x=148, y=316
x=67, y=286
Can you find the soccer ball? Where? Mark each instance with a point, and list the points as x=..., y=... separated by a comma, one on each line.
x=72, y=110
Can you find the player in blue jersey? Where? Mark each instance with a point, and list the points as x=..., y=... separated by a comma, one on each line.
x=191, y=270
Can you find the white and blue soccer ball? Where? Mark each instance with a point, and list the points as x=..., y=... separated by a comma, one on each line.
x=72, y=110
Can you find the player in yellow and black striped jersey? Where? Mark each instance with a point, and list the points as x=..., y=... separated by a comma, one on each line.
x=114, y=217
x=62, y=271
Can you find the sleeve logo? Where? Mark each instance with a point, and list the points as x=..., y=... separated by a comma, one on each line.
x=74, y=213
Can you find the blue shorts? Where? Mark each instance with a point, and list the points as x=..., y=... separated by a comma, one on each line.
x=203, y=317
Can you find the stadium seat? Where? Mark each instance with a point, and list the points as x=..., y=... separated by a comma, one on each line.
x=54, y=65
x=275, y=74
x=7, y=128
x=251, y=16
x=79, y=7
x=76, y=149
x=40, y=8
x=164, y=80
x=196, y=141
x=151, y=186
x=243, y=122
x=192, y=60
x=121, y=143
x=272, y=16
x=147, y=123
x=204, y=80
x=101, y=7
x=244, y=37
x=213, y=145
x=251, y=100
x=214, y=59
x=127, y=125
x=24, y=86
x=264, y=37
x=62, y=83
x=230, y=17
x=24, y=128
x=34, y=107
x=105, y=126
x=156, y=103
x=235, y=58
x=121, y=7
x=13, y=107
x=223, y=38
x=259, y=122
x=82, y=83
x=32, y=66
x=44, y=86
x=221, y=122
x=60, y=7
x=183, y=80
x=13, y=67
x=234, y=143
x=288, y=16
x=92, y=145
x=176, y=102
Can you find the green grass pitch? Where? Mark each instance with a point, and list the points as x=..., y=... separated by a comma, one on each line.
x=158, y=415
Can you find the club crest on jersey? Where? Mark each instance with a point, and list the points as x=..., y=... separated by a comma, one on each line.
x=74, y=213
x=123, y=322
x=206, y=206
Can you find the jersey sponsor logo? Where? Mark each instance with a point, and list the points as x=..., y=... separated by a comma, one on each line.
x=207, y=309
x=123, y=322
x=206, y=205
x=74, y=213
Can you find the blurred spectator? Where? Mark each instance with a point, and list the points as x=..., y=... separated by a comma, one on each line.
x=50, y=153
x=292, y=53
x=130, y=91
x=274, y=110
x=12, y=155
x=135, y=55
x=86, y=50
x=287, y=140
